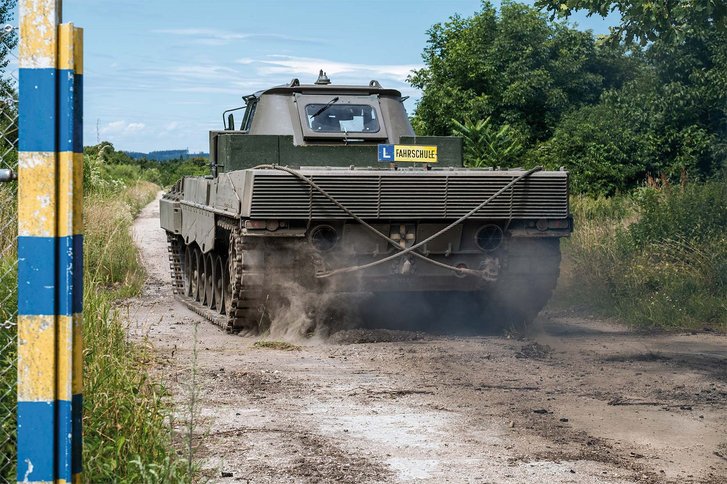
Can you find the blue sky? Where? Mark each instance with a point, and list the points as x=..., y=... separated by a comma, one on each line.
x=159, y=73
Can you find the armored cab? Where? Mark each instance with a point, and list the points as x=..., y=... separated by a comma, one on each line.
x=327, y=187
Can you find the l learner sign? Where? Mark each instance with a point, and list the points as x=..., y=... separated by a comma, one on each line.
x=407, y=153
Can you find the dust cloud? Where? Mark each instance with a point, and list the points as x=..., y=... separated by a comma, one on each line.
x=300, y=307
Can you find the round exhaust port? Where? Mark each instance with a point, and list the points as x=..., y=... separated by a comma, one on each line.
x=489, y=237
x=323, y=237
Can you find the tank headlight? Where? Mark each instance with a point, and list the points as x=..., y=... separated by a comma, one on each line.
x=489, y=237
x=323, y=237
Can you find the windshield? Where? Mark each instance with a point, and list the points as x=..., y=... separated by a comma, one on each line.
x=341, y=118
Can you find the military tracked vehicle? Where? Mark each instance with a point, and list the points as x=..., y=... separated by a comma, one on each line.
x=327, y=187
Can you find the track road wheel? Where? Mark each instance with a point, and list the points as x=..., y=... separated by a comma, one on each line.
x=209, y=288
x=219, y=281
x=187, y=270
x=226, y=290
x=195, y=274
x=202, y=279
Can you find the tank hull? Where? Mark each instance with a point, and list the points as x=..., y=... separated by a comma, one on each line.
x=235, y=264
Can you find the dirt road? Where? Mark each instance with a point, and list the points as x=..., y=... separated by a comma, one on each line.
x=579, y=400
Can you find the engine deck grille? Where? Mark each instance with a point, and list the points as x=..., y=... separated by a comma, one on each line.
x=409, y=195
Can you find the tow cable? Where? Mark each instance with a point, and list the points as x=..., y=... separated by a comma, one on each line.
x=402, y=252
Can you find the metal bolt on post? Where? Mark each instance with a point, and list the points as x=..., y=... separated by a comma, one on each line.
x=7, y=175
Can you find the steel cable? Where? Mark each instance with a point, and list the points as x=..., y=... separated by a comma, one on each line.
x=402, y=252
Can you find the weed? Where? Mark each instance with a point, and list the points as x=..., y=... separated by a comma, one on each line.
x=111, y=259
x=125, y=429
x=275, y=345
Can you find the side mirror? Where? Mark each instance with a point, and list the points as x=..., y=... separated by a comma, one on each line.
x=230, y=122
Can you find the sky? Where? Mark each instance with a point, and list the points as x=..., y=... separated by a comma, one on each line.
x=159, y=73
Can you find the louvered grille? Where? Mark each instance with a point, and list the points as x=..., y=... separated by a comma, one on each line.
x=409, y=195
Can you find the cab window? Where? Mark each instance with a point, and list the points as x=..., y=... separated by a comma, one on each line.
x=342, y=118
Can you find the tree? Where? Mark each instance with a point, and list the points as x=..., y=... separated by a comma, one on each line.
x=677, y=107
x=8, y=88
x=612, y=110
x=486, y=145
x=649, y=21
x=607, y=147
x=515, y=67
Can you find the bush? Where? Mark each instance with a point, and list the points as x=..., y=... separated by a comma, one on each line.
x=695, y=214
x=486, y=145
x=656, y=259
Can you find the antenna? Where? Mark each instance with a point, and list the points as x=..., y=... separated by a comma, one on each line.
x=323, y=79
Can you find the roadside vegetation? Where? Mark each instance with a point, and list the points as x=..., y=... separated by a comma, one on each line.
x=8, y=354
x=127, y=433
x=639, y=120
x=106, y=167
x=127, y=426
x=656, y=258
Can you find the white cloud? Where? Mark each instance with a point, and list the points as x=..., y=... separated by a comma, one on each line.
x=170, y=127
x=308, y=67
x=121, y=128
x=272, y=70
x=208, y=90
x=214, y=37
x=192, y=73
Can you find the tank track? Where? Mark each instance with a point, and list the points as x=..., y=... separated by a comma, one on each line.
x=245, y=310
x=527, y=282
x=175, y=263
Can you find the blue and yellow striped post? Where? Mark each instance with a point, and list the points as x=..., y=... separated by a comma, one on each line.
x=50, y=245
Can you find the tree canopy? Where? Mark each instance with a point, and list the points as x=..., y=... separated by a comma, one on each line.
x=515, y=66
x=611, y=111
x=649, y=21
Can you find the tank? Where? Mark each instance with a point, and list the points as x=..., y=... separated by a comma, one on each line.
x=327, y=188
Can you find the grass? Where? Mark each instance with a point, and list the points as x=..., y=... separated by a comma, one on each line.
x=8, y=354
x=111, y=259
x=275, y=345
x=127, y=433
x=127, y=429
x=654, y=259
x=127, y=436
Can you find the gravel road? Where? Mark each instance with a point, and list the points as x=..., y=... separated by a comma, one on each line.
x=578, y=400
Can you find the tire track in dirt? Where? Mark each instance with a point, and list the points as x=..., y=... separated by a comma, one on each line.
x=581, y=400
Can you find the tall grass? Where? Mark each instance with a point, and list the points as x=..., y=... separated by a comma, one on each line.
x=657, y=258
x=8, y=353
x=111, y=259
x=127, y=436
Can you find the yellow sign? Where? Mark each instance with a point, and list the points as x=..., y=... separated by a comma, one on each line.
x=407, y=153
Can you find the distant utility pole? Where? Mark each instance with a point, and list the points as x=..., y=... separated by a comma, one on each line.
x=98, y=132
